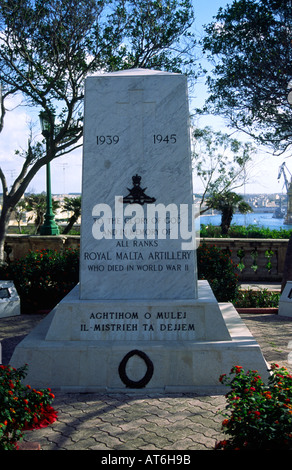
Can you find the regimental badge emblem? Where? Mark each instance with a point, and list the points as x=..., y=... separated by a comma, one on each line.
x=137, y=194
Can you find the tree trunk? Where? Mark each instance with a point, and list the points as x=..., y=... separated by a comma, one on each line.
x=287, y=274
x=226, y=218
x=68, y=227
x=39, y=222
x=4, y=223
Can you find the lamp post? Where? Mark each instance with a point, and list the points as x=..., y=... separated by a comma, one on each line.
x=49, y=227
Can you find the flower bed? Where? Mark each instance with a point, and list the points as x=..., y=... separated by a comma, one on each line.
x=21, y=407
x=217, y=268
x=266, y=310
x=257, y=301
x=258, y=416
x=43, y=278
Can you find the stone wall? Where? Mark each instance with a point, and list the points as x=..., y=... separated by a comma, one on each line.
x=18, y=246
x=258, y=259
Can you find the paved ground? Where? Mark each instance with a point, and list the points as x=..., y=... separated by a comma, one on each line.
x=142, y=422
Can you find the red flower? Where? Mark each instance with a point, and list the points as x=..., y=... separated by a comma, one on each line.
x=48, y=416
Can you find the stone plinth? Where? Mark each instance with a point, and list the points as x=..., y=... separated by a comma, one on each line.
x=65, y=351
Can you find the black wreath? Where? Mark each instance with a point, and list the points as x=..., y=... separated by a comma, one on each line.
x=149, y=372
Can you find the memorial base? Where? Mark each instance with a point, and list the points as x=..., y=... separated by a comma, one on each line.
x=86, y=360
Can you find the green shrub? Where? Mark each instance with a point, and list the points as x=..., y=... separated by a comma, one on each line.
x=256, y=299
x=43, y=278
x=240, y=231
x=258, y=416
x=217, y=268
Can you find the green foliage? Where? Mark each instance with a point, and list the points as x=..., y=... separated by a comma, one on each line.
x=258, y=415
x=256, y=299
x=21, y=407
x=216, y=266
x=219, y=161
x=37, y=203
x=154, y=30
x=239, y=231
x=72, y=204
x=249, y=42
x=227, y=203
x=43, y=278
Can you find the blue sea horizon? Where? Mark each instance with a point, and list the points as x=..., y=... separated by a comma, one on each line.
x=257, y=219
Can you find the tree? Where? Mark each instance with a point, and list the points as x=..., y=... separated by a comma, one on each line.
x=48, y=47
x=36, y=203
x=155, y=31
x=227, y=203
x=19, y=212
x=72, y=204
x=249, y=43
x=220, y=162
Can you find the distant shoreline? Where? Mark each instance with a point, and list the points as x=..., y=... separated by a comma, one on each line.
x=258, y=219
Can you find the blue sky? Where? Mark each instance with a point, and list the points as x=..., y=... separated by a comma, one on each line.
x=205, y=10
x=66, y=171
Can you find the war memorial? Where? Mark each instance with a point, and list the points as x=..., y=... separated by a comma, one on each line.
x=139, y=319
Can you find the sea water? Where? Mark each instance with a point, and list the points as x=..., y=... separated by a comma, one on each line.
x=257, y=219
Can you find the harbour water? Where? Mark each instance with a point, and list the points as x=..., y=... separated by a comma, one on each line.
x=257, y=219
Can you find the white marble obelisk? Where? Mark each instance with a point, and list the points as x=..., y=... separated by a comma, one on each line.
x=136, y=138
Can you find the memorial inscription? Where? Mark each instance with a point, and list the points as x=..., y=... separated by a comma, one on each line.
x=128, y=255
x=144, y=325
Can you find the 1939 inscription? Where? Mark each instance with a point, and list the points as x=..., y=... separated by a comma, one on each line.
x=107, y=139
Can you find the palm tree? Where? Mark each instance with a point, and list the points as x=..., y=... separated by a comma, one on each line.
x=72, y=204
x=37, y=203
x=227, y=203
